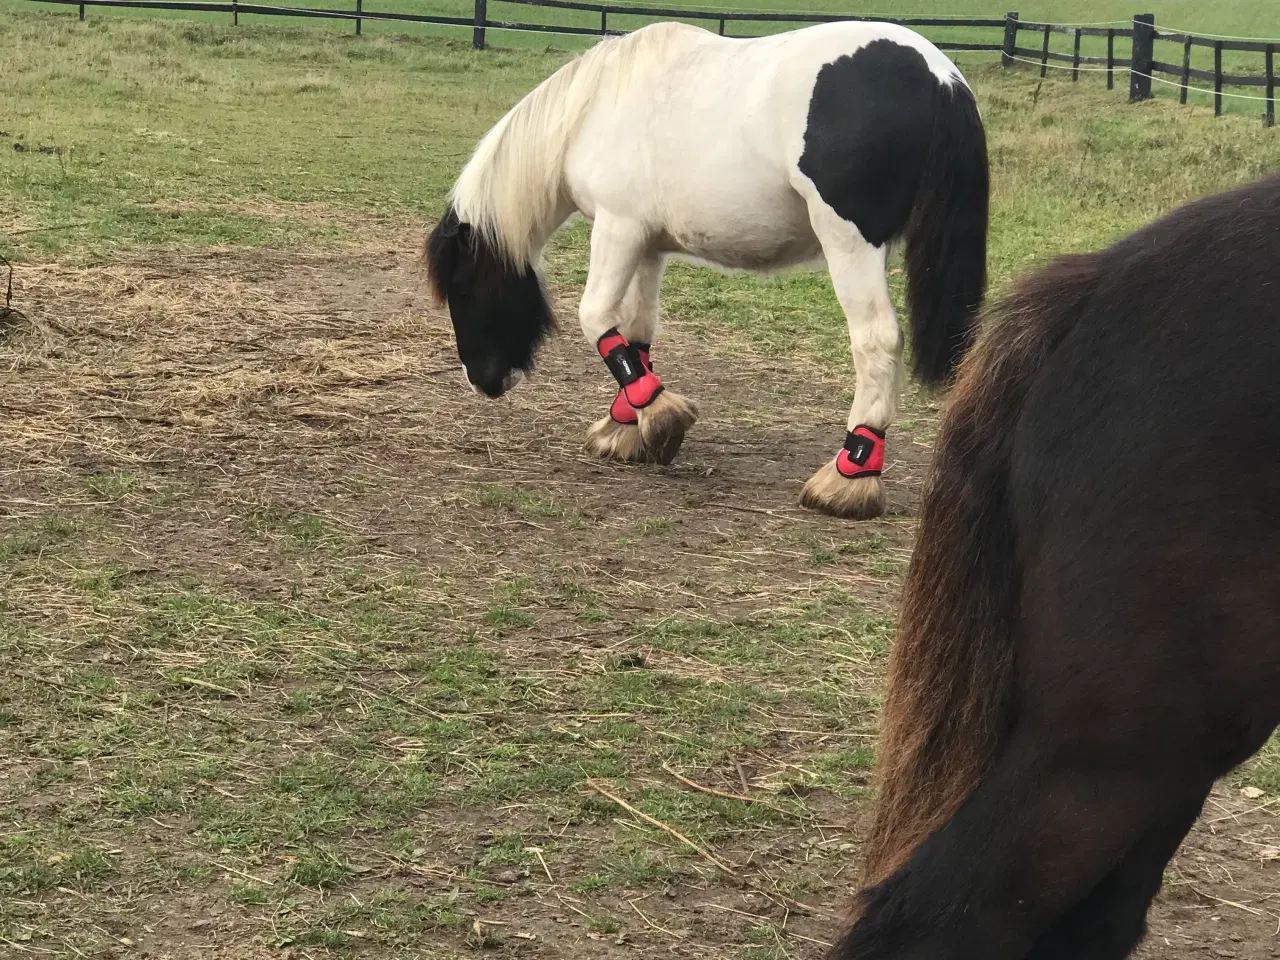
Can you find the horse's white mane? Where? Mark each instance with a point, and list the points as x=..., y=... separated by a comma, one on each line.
x=511, y=188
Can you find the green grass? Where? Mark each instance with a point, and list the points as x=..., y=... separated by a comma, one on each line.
x=180, y=134
x=1228, y=17
x=196, y=134
x=302, y=750
x=529, y=504
x=192, y=135
x=1231, y=17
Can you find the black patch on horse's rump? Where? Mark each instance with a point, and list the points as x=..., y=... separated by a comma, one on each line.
x=867, y=139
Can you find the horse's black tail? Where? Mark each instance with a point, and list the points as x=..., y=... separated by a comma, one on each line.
x=946, y=238
x=950, y=671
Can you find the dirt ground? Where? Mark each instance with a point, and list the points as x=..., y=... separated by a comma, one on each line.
x=240, y=381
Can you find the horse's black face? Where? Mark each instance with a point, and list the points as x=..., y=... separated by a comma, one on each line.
x=500, y=313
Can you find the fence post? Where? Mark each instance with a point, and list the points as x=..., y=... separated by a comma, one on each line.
x=604, y=23
x=1010, y=38
x=482, y=17
x=1111, y=58
x=82, y=12
x=722, y=26
x=1075, y=59
x=235, y=13
x=1144, y=53
x=1270, y=119
x=1186, y=70
x=1217, y=78
x=359, y=10
x=1044, y=53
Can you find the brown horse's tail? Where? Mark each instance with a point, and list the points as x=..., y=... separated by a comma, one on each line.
x=950, y=670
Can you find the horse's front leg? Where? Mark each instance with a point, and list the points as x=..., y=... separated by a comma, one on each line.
x=851, y=484
x=619, y=315
x=616, y=436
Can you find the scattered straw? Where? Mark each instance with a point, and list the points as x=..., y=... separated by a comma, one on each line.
x=710, y=858
x=721, y=793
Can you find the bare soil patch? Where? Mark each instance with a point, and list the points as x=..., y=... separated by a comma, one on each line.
x=267, y=560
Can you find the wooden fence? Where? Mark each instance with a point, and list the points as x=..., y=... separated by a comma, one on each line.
x=724, y=18
x=1143, y=66
x=1140, y=35
x=1011, y=52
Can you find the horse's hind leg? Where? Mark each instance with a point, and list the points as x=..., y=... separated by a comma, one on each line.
x=619, y=254
x=1112, y=919
x=616, y=436
x=850, y=485
x=1021, y=858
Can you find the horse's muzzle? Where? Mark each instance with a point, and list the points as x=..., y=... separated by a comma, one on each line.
x=494, y=387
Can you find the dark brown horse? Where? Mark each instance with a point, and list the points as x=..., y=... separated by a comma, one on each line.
x=1091, y=627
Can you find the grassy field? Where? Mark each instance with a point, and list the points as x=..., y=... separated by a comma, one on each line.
x=307, y=654
x=1244, y=18
x=157, y=134
x=1228, y=17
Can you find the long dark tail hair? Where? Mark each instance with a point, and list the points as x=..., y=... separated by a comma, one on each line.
x=946, y=248
x=950, y=671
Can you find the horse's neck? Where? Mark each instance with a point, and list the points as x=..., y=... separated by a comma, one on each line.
x=559, y=210
x=514, y=188
x=564, y=213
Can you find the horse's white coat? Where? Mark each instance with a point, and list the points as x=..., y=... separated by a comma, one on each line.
x=675, y=141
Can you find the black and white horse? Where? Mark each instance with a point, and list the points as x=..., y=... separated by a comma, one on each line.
x=1090, y=633
x=825, y=143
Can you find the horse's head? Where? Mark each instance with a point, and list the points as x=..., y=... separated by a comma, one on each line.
x=499, y=310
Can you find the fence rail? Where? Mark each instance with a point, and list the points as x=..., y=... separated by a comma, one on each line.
x=1141, y=37
x=482, y=22
x=1012, y=51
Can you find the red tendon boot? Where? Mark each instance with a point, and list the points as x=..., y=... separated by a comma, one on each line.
x=630, y=365
x=863, y=453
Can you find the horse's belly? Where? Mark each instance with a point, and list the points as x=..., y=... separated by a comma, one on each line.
x=752, y=233
x=711, y=180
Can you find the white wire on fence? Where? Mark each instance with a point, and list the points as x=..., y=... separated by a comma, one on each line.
x=1171, y=83
x=1063, y=66
x=1026, y=24
x=1161, y=28
x=1212, y=93
x=703, y=8
x=894, y=15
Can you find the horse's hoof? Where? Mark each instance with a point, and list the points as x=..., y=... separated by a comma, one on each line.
x=610, y=440
x=669, y=450
x=663, y=424
x=829, y=491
